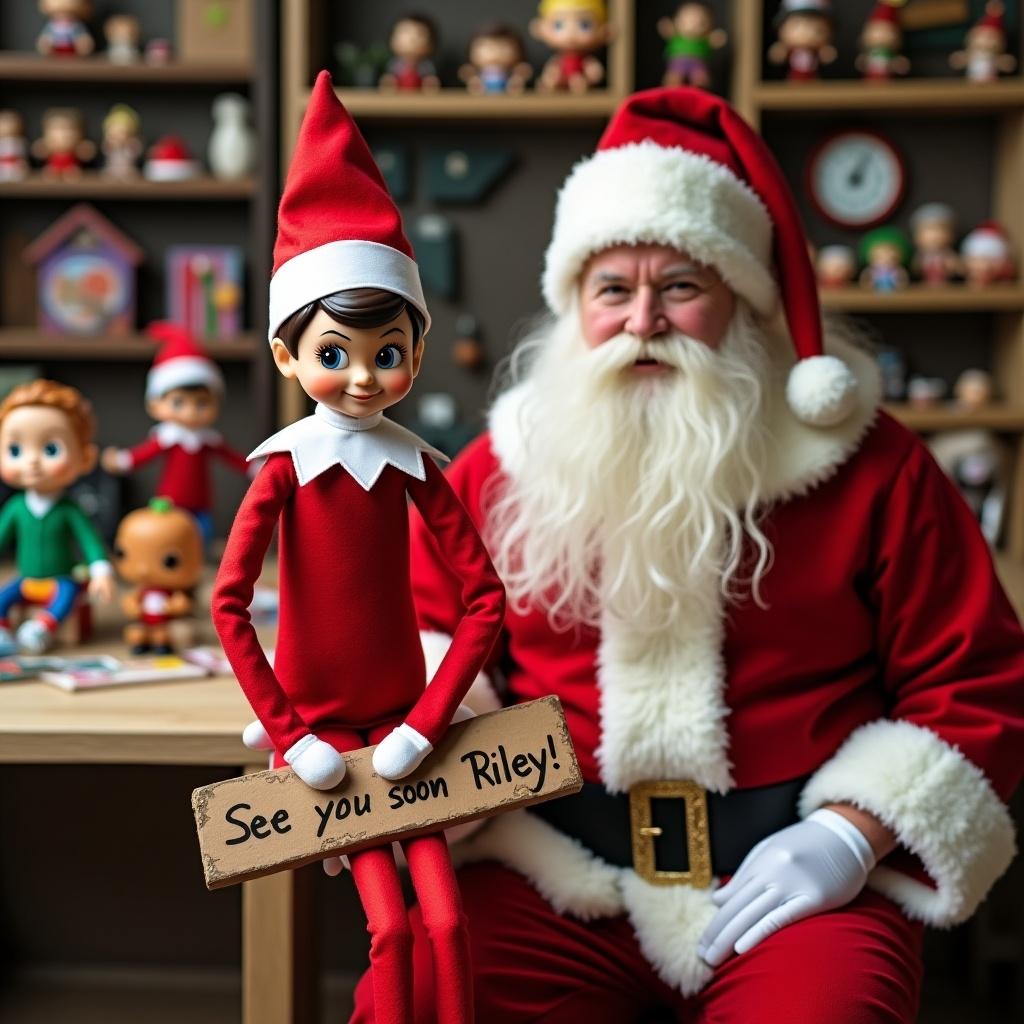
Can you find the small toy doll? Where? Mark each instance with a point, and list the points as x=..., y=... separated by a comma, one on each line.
x=46, y=444
x=690, y=37
x=413, y=44
x=881, y=43
x=65, y=34
x=885, y=252
x=347, y=320
x=986, y=256
x=13, y=147
x=184, y=388
x=984, y=55
x=574, y=29
x=159, y=549
x=122, y=32
x=804, y=31
x=63, y=145
x=973, y=390
x=933, y=228
x=497, y=62
x=121, y=146
x=836, y=266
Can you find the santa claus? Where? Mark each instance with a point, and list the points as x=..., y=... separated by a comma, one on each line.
x=783, y=652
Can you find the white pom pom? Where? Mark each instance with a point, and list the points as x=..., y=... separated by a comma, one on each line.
x=821, y=391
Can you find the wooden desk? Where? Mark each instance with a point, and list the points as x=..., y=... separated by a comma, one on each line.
x=184, y=723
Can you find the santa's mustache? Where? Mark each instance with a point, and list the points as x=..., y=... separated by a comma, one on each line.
x=624, y=351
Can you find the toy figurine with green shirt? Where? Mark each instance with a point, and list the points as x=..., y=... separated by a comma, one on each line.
x=46, y=444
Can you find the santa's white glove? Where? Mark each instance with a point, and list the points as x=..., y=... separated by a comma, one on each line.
x=816, y=865
x=400, y=752
x=317, y=763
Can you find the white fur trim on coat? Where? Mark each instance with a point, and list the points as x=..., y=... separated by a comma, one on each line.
x=667, y=196
x=668, y=920
x=939, y=804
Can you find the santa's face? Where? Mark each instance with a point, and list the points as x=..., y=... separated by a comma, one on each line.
x=353, y=370
x=649, y=292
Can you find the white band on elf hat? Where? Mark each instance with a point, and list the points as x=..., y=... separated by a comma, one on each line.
x=339, y=266
x=663, y=196
x=184, y=372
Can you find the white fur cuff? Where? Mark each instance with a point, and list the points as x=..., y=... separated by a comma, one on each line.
x=939, y=804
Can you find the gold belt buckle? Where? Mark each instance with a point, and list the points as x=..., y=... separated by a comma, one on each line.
x=698, y=841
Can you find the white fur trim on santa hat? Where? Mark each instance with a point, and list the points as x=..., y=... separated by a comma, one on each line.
x=821, y=391
x=939, y=804
x=646, y=193
x=184, y=372
x=338, y=266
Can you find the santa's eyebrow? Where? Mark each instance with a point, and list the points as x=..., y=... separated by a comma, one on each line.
x=607, y=277
x=681, y=269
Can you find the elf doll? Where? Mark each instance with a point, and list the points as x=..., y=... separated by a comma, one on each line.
x=184, y=388
x=347, y=320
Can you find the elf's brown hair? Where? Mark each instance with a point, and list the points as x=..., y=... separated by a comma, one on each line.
x=55, y=396
x=356, y=307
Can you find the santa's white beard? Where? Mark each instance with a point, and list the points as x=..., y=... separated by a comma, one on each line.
x=636, y=490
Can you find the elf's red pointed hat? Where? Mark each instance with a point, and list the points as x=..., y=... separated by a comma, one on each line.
x=180, y=362
x=993, y=17
x=337, y=226
x=678, y=166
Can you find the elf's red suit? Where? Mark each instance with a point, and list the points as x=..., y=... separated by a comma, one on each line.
x=187, y=454
x=348, y=666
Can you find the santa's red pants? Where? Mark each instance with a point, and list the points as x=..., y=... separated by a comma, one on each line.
x=857, y=965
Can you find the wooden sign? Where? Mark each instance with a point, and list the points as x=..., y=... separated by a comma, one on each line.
x=271, y=821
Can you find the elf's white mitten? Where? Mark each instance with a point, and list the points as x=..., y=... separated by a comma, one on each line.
x=400, y=752
x=317, y=763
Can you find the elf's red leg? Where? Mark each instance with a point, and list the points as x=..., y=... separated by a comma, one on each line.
x=376, y=877
x=441, y=906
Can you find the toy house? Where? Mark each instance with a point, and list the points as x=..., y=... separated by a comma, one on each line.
x=86, y=270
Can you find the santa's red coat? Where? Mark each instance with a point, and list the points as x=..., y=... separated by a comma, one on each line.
x=885, y=662
x=348, y=655
x=185, y=477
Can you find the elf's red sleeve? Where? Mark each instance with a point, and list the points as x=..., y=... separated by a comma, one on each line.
x=145, y=452
x=240, y=568
x=482, y=601
x=236, y=460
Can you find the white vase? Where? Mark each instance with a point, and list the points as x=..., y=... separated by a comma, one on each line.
x=232, y=150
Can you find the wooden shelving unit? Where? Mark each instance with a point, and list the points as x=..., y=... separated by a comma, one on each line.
x=920, y=98
x=92, y=185
x=97, y=70
x=29, y=343
x=923, y=299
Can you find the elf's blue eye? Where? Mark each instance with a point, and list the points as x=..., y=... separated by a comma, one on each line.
x=14, y=450
x=52, y=449
x=586, y=25
x=333, y=357
x=389, y=357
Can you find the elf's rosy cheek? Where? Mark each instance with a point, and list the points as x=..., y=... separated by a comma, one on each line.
x=397, y=382
x=321, y=386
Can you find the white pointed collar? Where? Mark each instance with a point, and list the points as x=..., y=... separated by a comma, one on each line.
x=362, y=446
x=169, y=434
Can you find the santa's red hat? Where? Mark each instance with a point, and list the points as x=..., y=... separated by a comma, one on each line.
x=337, y=226
x=989, y=239
x=678, y=166
x=180, y=362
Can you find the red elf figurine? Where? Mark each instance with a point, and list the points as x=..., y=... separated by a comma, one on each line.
x=184, y=389
x=347, y=320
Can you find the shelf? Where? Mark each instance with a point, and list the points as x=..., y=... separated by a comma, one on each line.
x=944, y=417
x=28, y=343
x=93, y=185
x=27, y=67
x=924, y=299
x=917, y=95
x=457, y=104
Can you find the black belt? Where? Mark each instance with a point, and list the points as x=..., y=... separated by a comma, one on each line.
x=674, y=831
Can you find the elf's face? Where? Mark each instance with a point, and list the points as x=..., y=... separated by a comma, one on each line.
x=194, y=408
x=353, y=370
